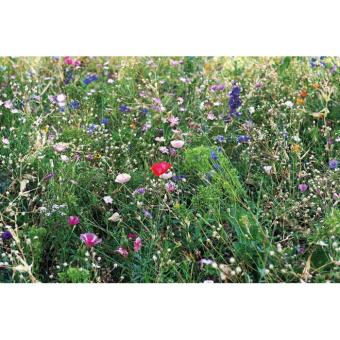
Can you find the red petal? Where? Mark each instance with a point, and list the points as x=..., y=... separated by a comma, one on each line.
x=160, y=168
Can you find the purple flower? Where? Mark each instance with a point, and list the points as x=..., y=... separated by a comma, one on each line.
x=147, y=214
x=234, y=101
x=6, y=235
x=140, y=191
x=170, y=186
x=217, y=87
x=333, y=164
x=303, y=187
x=49, y=176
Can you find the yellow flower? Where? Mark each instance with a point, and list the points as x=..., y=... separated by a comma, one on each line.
x=45, y=129
x=177, y=205
x=316, y=86
x=97, y=156
x=296, y=148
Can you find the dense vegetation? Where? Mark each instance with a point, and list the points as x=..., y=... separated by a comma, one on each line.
x=190, y=169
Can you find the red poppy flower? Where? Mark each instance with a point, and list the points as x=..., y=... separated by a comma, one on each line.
x=160, y=168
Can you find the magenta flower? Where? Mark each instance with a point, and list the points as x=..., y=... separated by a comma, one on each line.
x=137, y=244
x=73, y=220
x=90, y=239
x=303, y=187
x=123, y=251
x=132, y=236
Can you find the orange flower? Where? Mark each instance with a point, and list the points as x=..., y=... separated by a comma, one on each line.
x=316, y=86
x=300, y=101
x=304, y=93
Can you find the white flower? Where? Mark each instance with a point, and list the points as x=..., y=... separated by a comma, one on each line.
x=163, y=149
x=64, y=158
x=61, y=98
x=177, y=144
x=167, y=175
x=108, y=199
x=122, y=178
x=289, y=104
x=160, y=139
x=115, y=217
x=60, y=147
x=251, y=110
x=268, y=169
x=5, y=141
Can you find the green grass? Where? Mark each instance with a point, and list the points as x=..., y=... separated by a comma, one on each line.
x=227, y=219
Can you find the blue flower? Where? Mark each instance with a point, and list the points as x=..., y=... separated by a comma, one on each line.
x=243, y=139
x=124, y=108
x=213, y=155
x=144, y=111
x=105, y=121
x=6, y=235
x=91, y=128
x=74, y=104
x=333, y=164
x=90, y=78
x=219, y=139
x=68, y=77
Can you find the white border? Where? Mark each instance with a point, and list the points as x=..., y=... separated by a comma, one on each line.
x=151, y=311
x=162, y=27
x=169, y=27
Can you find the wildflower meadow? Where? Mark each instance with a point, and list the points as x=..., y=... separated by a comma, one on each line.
x=169, y=169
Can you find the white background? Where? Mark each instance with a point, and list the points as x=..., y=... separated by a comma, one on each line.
x=207, y=311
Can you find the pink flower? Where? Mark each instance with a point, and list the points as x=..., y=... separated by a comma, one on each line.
x=8, y=104
x=170, y=186
x=303, y=187
x=163, y=149
x=177, y=144
x=68, y=60
x=73, y=220
x=90, y=239
x=173, y=121
x=137, y=244
x=123, y=251
x=211, y=116
x=122, y=178
x=71, y=61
